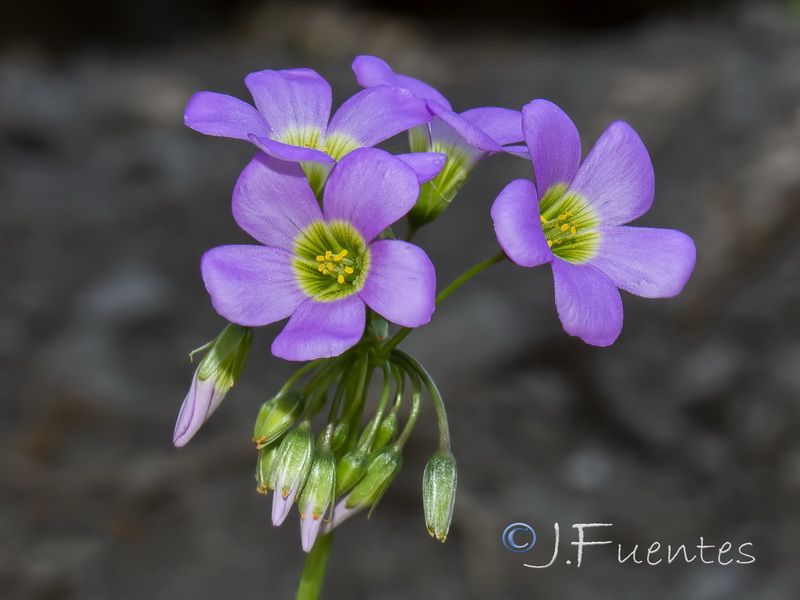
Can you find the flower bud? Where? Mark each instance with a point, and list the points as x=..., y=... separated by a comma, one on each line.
x=291, y=470
x=215, y=375
x=317, y=496
x=386, y=430
x=265, y=466
x=351, y=469
x=381, y=470
x=340, y=431
x=383, y=466
x=439, y=493
x=276, y=416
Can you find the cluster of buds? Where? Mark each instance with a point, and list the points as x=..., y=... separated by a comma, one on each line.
x=347, y=468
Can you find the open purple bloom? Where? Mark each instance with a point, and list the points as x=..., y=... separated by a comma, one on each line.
x=291, y=117
x=466, y=138
x=321, y=266
x=573, y=218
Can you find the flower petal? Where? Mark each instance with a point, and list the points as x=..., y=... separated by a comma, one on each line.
x=251, y=285
x=426, y=165
x=648, y=262
x=517, y=224
x=371, y=189
x=376, y=114
x=201, y=401
x=588, y=303
x=288, y=151
x=553, y=141
x=272, y=201
x=465, y=128
x=617, y=176
x=401, y=284
x=503, y=125
x=225, y=116
x=372, y=71
x=321, y=329
x=291, y=100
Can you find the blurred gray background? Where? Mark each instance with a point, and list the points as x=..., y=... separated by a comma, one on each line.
x=685, y=428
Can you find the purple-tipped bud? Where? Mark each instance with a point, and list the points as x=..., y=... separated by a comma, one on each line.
x=214, y=377
x=439, y=493
x=317, y=496
x=291, y=470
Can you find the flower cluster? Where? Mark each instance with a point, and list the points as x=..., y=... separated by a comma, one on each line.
x=323, y=204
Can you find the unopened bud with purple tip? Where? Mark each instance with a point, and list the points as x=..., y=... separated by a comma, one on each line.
x=317, y=496
x=291, y=470
x=215, y=375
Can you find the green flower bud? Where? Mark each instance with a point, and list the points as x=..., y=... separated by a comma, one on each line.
x=265, y=466
x=386, y=430
x=291, y=469
x=439, y=493
x=383, y=466
x=339, y=437
x=317, y=496
x=351, y=468
x=276, y=416
x=378, y=328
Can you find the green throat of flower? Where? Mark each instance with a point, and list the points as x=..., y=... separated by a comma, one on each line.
x=569, y=224
x=331, y=260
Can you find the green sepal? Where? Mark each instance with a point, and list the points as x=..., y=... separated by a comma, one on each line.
x=350, y=469
x=294, y=459
x=381, y=470
x=439, y=493
x=318, y=492
x=276, y=416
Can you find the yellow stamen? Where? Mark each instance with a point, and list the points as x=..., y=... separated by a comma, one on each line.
x=340, y=279
x=543, y=219
x=320, y=258
x=321, y=268
x=348, y=270
x=564, y=227
x=562, y=217
x=330, y=266
x=549, y=244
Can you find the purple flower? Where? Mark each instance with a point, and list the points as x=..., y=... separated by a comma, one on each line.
x=466, y=138
x=573, y=216
x=291, y=118
x=321, y=266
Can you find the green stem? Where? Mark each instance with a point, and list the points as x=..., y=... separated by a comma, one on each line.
x=392, y=342
x=314, y=570
x=467, y=275
x=436, y=396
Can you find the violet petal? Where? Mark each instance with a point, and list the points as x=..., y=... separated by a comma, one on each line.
x=321, y=329
x=554, y=143
x=648, y=262
x=225, y=116
x=588, y=302
x=251, y=285
x=401, y=284
x=515, y=213
x=371, y=189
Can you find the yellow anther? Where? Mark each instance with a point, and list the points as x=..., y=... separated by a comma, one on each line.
x=562, y=217
x=343, y=253
x=320, y=258
x=321, y=268
x=569, y=214
x=543, y=219
x=328, y=254
x=348, y=270
x=558, y=241
x=337, y=257
x=564, y=227
x=330, y=266
x=573, y=230
x=326, y=272
x=549, y=244
x=340, y=278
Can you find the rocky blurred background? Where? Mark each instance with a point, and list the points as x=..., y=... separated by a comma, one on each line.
x=685, y=428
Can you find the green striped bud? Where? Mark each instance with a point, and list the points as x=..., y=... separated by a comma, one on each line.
x=439, y=493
